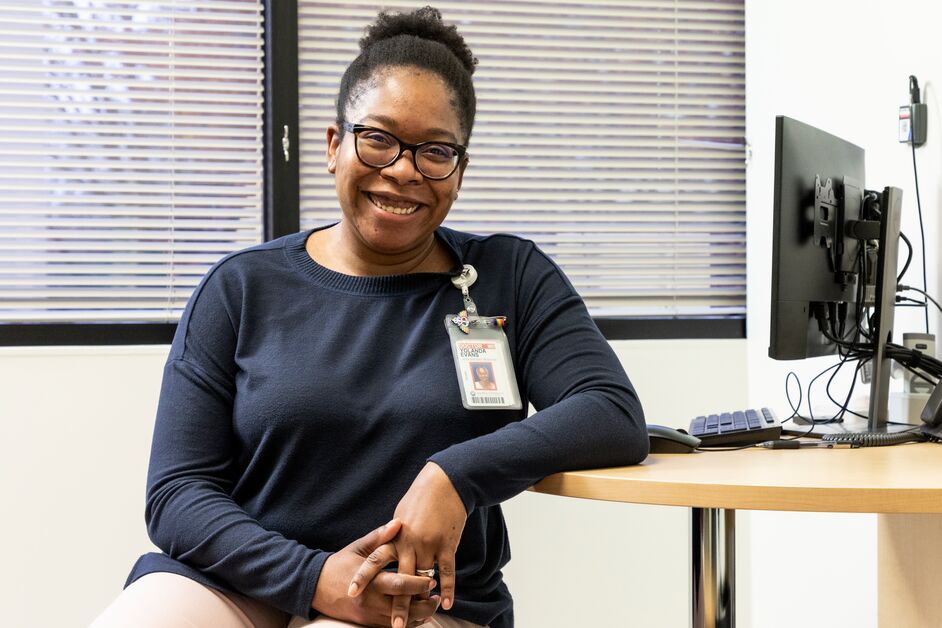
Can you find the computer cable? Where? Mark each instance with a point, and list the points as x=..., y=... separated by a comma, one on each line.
x=909, y=256
x=920, y=365
x=921, y=376
x=911, y=359
x=788, y=395
x=846, y=345
x=848, y=351
x=839, y=415
x=814, y=420
x=845, y=407
x=708, y=448
x=876, y=439
x=796, y=409
x=865, y=439
x=903, y=288
x=922, y=231
x=914, y=357
x=859, y=307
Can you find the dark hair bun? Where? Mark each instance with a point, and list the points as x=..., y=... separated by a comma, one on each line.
x=424, y=23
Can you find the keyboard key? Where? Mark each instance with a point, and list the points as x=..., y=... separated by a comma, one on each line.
x=739, y=421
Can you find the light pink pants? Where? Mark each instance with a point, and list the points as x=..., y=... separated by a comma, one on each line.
x=166, y=600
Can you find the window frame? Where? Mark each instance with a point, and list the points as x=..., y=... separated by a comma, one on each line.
x=281, y=216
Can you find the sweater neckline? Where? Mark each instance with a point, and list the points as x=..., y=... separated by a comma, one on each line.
x=296, y=251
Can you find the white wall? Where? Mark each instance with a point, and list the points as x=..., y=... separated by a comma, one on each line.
x=842, y=66
x=76, y=427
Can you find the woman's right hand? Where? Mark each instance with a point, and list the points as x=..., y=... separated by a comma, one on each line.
x=373, y=606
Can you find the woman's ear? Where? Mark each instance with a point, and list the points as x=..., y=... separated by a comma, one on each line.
x=333, y=147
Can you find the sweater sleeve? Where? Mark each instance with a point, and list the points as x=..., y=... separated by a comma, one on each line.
x=190, y=513
x=588, y=414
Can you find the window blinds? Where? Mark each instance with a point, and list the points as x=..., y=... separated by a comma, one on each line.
x=131, y=153
x=611, y=133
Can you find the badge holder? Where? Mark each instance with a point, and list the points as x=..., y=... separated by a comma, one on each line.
x=482, y=354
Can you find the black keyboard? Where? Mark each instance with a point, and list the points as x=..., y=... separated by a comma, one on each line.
x=743, y=427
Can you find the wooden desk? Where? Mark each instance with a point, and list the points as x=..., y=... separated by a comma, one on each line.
x=902, y=483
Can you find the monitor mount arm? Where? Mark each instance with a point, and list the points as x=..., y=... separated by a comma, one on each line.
x=833, y=207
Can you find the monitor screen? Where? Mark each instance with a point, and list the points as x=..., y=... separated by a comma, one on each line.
x=819, y=181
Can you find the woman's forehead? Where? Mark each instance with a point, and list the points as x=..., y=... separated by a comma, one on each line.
x=408, y=100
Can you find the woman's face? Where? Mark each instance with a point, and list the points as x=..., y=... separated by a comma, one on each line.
x=394, y=211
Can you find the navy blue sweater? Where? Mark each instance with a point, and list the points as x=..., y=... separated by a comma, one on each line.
x=298, y=404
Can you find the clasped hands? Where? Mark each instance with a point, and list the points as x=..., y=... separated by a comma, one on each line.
x=424, y=531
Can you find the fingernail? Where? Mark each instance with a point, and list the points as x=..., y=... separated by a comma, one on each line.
x=353, y=589
x=399, y=622
x=431, y=585
x=447, y=603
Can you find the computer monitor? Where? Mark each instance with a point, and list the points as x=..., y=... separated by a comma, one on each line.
x=834, y=250
x=818, y=186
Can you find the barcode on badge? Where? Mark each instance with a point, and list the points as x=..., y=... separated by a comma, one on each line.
x=489, y=400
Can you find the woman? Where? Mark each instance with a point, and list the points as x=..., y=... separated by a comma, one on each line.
x=482, y=377
x=311, y=394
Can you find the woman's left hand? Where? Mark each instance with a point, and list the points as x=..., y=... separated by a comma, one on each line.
x=433, y=518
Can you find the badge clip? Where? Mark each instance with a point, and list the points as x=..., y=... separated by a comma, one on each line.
x=464, y=281
x=465, y=323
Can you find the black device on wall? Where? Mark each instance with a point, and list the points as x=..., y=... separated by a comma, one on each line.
x=834, y=256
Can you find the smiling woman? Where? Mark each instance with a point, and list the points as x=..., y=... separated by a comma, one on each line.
x=317, y=423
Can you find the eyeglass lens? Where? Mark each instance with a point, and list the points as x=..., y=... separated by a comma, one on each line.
x=379, y=149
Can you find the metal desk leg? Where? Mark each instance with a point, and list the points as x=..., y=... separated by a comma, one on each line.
x=714, y=567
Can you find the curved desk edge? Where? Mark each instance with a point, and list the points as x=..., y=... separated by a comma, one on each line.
x=874, y=484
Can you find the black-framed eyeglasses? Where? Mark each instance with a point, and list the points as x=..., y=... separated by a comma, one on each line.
x=378, y=149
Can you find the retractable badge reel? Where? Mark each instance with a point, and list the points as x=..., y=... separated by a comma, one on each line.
x=481, y=352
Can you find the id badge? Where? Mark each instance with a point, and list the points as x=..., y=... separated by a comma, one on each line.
x=482, y=360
